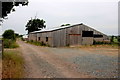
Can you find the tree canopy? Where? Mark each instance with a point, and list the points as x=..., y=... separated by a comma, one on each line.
x=65, y=25
x=7, y=7
x=9, y=34
x=35, y=25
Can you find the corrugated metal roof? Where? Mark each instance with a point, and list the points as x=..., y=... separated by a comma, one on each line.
x=53, y=29
x=49, y=29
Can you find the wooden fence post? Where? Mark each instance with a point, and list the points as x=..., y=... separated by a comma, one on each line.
x=1, y=46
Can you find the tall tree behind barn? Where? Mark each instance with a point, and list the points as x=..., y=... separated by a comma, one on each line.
x=35, y=25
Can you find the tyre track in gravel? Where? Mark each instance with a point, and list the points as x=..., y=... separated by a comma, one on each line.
x=35, y=67
x=46, y=65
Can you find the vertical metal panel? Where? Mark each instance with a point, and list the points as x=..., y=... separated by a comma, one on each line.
x=87, y=41
x=33, y=36
x=74, y=35
x=63, y=37
x=55, y=38
x=59, y=38
x=80, y=32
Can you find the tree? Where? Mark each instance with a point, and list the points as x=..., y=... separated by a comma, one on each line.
x=16, y=35
x=65, y=25
x=35, y=25
x=119, y=39
x=112, y=38
x=7, y=7
x=9, y=34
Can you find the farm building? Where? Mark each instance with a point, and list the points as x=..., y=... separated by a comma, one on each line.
x=79, y=34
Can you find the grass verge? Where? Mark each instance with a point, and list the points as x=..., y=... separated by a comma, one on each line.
x=100, y=46
x=12, y=64
x=38, y=43
x=8, y=43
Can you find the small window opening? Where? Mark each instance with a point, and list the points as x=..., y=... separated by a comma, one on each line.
x=98, y=36
x=39, y=38
x=87, y=33
x=46, y=39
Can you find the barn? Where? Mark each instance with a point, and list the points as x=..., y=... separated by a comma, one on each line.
x=79, y=34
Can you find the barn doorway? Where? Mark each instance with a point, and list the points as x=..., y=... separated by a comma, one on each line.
x=87, y=37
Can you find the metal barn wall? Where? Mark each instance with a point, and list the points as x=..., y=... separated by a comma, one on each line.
x=73, y=36
x=59, y=38
x=86, y=40
x=105, y=37
x=43, y=38
x=67, y=36
x=33, y=36
x=98, y=39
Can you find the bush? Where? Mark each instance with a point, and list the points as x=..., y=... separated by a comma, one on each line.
x=68, y=45
x=99, y=42
x=22, y=39
x=37, y=43
x=43, y=44
x=9, y=34
x=8, y=43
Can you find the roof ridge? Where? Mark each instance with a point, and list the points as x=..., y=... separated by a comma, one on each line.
x=56, y=28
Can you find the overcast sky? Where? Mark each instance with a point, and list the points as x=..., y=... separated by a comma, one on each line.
x=98, y=14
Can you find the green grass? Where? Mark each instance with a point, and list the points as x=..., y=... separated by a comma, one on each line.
x=12, y=64
x=113, y=45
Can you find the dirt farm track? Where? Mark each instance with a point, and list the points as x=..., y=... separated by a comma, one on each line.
x=46, y=62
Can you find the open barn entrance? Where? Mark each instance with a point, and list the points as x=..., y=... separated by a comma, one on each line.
x=87, y=37
x=98, y=37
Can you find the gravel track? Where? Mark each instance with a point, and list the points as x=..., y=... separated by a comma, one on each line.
x=46, y=62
